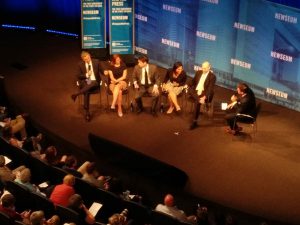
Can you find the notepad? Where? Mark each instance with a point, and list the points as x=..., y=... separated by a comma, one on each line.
x=7, y=160
x=95, y=207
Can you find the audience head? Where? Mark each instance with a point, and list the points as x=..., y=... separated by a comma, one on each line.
x=50, y=154
x=8, y=201
x=177, y=67
x=2, y=161
x=85, y=56
x=37, y=218
x=7, y=132
x=117, y=219
x=91, y=167
x=54, y=220
x=25, y=175
x=143, y=61
x=205, y=67
x=71, y=161
x=69, y=180
x=75, y=201
x=169, y=200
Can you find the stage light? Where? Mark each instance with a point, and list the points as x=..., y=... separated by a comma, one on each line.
x=62, y=33
x=18, y=27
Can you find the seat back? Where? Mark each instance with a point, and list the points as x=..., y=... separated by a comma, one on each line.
x=67, y=215
x=4, y=219
x=159, y=218
x=42, y=203
x=138, y=212
x=257, y=110
x=21, y=194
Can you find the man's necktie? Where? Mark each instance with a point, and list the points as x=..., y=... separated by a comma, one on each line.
x=146, y=78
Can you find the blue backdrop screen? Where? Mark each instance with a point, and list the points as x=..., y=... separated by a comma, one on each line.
x=254, y=41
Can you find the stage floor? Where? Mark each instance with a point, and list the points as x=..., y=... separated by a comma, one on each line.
x=259, y=174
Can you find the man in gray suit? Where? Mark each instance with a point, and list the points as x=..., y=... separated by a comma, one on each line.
x=146, y=80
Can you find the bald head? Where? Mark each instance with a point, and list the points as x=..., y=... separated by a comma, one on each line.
x=169, y=200
x=205, y=67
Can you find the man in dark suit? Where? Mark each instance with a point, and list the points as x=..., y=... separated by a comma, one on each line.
x=146, y=80
x=242, y=102
x=202, y=89
x=88, y=75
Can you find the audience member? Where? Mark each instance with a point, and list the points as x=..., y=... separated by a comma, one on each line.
x=173, y=85
x=91, y=176
x=17, y=125
x=37, y=218
x=54, y=220
x=62, y=192
x=146, y=80
x=7, y=174
x=8, y=207
x=171, y=209
x=24, y=179
x=117, y=81
x=76, y=203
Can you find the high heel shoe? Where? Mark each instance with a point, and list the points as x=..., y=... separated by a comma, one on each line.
x=120, y=114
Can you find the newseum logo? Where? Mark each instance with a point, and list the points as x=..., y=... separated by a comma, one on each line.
x=141, y=50
x=277, y=93
x=141, y=17
x=211, y=1
x=171, y=8
x=286, y=18
x=170, y=43
x=240, y=63
x=207, y=36
x=281, y=56
x=244, y=27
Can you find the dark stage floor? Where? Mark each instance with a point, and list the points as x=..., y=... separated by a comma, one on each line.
x=258, y=175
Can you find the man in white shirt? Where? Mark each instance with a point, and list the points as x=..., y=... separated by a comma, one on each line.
x=88, y=75
x=171, y=209
x=202, y=89
x=146, y=80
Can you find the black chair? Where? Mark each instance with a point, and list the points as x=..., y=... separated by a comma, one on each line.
x=67, y=215
x=40, y=170
x=18, y=223
x=4, y=219
x=248, y=119
x=85, y=189
x=158, y=218
x=42, y=203
x=136, y=211
x=21, y=194
x=56, y=175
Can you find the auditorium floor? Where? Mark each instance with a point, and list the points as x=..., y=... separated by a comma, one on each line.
x=257, y=174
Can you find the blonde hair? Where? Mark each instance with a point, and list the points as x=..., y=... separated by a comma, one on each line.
x=25, y=175
x=69, y=180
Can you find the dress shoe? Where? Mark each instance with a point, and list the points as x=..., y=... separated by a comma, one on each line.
x=154, y=113
x=178, y=112
x=120, y=114
x=194, y=126
x=139, y=110
x=73, y=97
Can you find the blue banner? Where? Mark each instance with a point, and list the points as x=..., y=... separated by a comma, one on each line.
x=121, y=23
x=93, y=32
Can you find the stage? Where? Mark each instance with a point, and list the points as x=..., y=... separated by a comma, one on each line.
x=257, y=174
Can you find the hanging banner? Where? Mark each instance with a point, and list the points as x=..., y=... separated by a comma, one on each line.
x=93, y=32
x=121, y=26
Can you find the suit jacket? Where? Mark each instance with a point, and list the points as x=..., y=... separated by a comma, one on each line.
x=81, y=70
x=247, y=104
x=209, y=84
x=152, y=74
